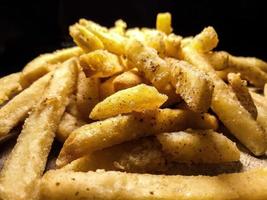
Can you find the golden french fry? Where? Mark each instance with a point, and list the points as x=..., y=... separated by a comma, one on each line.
x=84, y=38
x=163, y=22
x=60, y=185
x=198, y=146
x=135, y=99
x=87, y=95
x=241, y=91
x=100, y=63
x=143, y=155
x=68, y=124
x=173, y=45
x=46, y=63
x=225, y=104
x=206, y=40
x=26, y=163
x=9, y=86
x=194, y=86
x=16, y=110
x=103, y=134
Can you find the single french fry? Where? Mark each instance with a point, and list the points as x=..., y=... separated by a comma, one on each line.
x=46, y=63
x=139, y=156
x=241, y=91
x=126, y=80
x=206, y=40
x=60, y=185
x=198, y=146
x=100, y=63
x=26, y=163
x=173, y=45
x=227, y=107
x=16, y=110
x=194, y=86
x=84, y=38
x=103, y=134
x=135, y=99
x=87, y=95
x=68, y=124
x=9, y=86
x=163, y=22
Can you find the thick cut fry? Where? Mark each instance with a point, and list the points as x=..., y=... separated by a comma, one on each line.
x=198, y=146
x=9, y=86
x=68, y=124
x=225, y=104
x=139, y=98
x=164, y=22
x=240, y=89
x=139, y=156
x=103, y=134
x=87, y=95
x=46, y=63
x=194, y=86
x=100, y=63
x=127, y=79
x=17, y=109
x=26, y=163
x=84, y=38
x=60, y=185
x=206, y=40
x=112, y=41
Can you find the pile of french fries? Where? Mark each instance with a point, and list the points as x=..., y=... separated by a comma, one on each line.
x=127, y=104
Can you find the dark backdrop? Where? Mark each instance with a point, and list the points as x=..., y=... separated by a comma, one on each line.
x=30, y=28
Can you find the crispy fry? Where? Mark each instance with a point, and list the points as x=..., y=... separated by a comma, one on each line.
x=173, y=45
x=138, y=98
x=103, y=134
x=163, y=22
x=59, y=185
x=143, y=156
x=26, y=163
x=225, y=104
x=240, y=89
x=100, y=63
x=68, y=124
x=194, y=86
x=9, y=86
x=17, y=109
x=87, y=94
x=46, y=63
x=198, y=146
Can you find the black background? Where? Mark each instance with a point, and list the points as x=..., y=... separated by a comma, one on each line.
x=30, y=28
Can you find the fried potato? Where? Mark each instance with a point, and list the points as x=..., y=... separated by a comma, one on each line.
x=227, y=107
x=120, y=27
x=198, y=146
x=59, y=185
x=9, y=86
x=206, y=40
x=26, y=163
x=103, y=134
x=100, y=63
x=143, y=156
x=46, y=63
x=218, y=59
x=87, y=95
x=194, y=86
x=68, y=124
x=138, y=98
x=173, y=45
x=16, y=110
x=240, y=89
x=163, y=22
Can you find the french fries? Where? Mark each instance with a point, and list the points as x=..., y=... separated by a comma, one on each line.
x=22, y=169
x=9, y=86
x=103, y=134
x=59, y=185
x=241, y=91
x=198, y=146
x=141, y=97
x=10, y=115
x=163, y=23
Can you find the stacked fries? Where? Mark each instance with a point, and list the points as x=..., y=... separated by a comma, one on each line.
x=125, y=102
